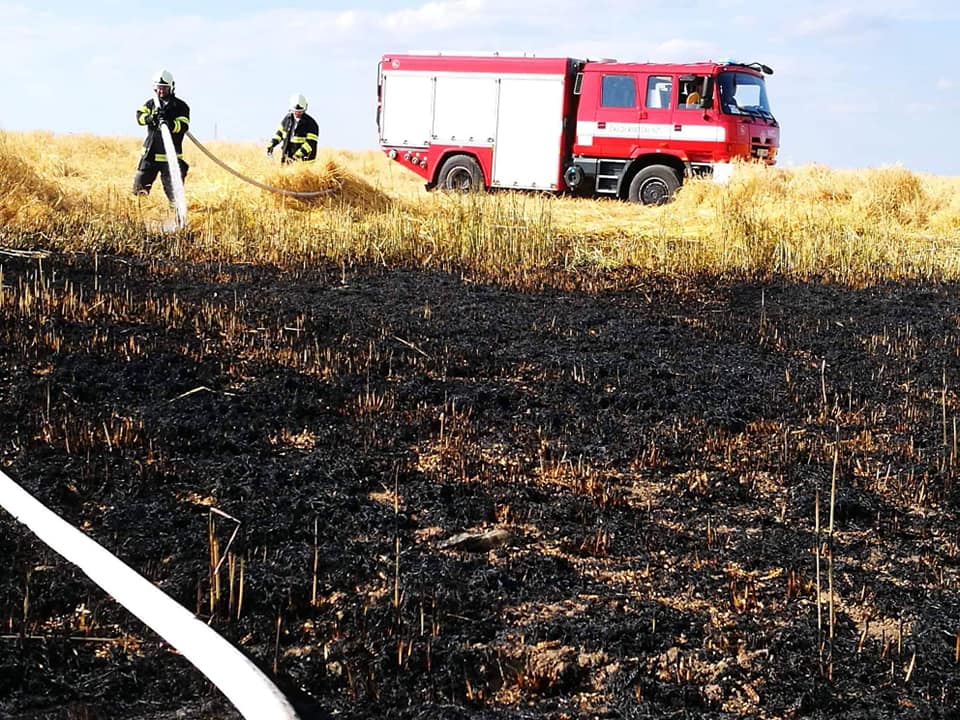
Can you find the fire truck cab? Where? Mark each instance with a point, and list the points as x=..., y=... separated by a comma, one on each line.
x=632, y=131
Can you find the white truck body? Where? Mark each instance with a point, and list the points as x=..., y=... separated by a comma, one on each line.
x=519, y=116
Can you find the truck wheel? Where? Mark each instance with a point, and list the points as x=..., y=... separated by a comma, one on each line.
x=654, y=185
x=460, y=173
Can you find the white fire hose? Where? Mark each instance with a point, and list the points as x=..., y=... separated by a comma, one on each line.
x=250, y=691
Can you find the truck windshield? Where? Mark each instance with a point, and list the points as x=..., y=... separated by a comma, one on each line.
x=744, y=94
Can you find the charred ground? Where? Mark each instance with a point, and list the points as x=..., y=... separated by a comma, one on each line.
x=656, y=448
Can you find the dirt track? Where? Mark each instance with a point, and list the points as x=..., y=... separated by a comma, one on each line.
x=654, y=447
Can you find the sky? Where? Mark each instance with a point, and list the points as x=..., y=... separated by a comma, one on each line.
x=855, y=84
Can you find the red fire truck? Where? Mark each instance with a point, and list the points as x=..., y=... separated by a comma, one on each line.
x=596, y=128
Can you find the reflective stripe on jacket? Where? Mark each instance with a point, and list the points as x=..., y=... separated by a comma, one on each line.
x=177, y=115
x=303, y=138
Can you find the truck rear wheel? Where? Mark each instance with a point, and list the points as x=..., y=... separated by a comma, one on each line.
x=654, y=185
x=460, y=173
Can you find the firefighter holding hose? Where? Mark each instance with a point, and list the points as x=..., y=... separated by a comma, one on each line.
x=297, y=135
x=165, y=108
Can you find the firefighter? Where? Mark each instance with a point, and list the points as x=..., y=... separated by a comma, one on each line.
x=165, y=108
x=297, y=135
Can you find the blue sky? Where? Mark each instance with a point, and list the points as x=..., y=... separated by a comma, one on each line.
x=856, y=84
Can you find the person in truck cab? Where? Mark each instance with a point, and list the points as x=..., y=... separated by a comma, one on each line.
x=297, y=135
x=163, y=109
x=693, y=93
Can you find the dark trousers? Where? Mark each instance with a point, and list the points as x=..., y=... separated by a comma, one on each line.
x=147, y=172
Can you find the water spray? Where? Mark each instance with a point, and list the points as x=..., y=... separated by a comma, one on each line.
x=176, y=179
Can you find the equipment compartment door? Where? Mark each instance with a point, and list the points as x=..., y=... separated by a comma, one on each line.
x=465, y=110
x=407, y=114
x=529, y=132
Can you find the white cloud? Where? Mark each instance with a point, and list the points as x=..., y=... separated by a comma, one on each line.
x=347, y=20
x=918, y=108
x=747, y=22
x=853, y=108
x=915, y=10
x=840, y=21
x=13, y=13
x=843, y=25
x=682, y=50
x=434, y=16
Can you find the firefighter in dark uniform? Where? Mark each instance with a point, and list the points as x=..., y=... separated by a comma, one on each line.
x=297, y=135
x=168, y=109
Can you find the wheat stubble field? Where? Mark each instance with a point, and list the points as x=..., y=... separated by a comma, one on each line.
x=721, y=437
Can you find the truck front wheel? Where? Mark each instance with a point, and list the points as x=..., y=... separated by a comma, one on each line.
x=654, y=185
x=460, y=173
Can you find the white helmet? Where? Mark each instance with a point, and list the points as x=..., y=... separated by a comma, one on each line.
x=163, y=78
x=298, y=102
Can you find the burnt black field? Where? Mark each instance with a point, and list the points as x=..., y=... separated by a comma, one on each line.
x=657, y=449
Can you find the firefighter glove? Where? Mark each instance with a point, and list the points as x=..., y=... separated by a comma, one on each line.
x=153, y=120
x=269, y=152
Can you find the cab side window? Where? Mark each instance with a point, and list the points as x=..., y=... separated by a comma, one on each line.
x=618, y=91
x=694, y=89
x=659, y=88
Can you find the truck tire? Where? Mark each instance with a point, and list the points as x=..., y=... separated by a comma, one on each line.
x=654, y=185
x=460, y=173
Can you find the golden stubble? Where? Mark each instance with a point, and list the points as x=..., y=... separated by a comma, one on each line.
x=72, y=193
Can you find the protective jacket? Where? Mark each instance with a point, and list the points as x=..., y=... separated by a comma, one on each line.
x=175, y=113
x=297, y=138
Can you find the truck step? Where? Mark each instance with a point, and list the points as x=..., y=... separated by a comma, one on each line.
x=607, y=184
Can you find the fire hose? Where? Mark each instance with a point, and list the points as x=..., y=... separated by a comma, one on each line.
x=268, y=188
x=244, y=684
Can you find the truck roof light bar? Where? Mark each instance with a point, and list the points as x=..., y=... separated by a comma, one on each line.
x=758, y=66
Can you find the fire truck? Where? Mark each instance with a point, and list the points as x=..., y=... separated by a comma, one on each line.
x=602, y=128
